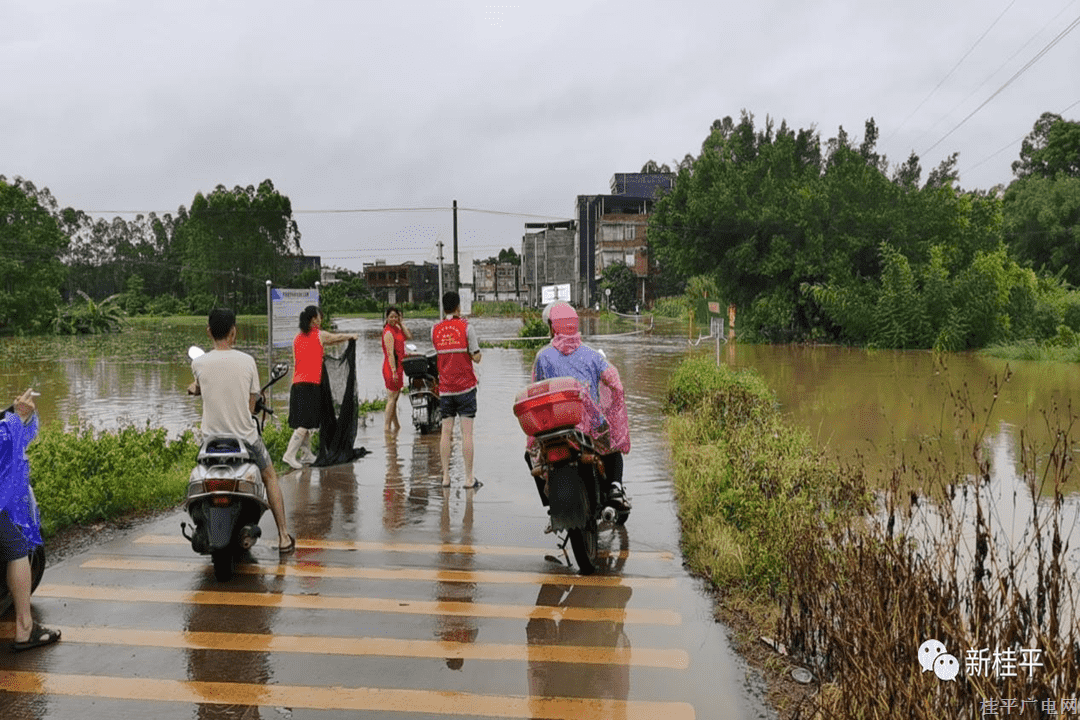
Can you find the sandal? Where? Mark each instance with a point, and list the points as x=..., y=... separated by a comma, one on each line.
x=39, y=636
x=286, y=549
x=476, y=484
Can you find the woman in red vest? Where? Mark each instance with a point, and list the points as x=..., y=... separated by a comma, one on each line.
x=393, y=343
x=305, y=399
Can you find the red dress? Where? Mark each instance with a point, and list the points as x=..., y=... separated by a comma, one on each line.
x=394, y=381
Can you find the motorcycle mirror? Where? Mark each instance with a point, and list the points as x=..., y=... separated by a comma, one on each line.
x=194, y=351
x=280, y=370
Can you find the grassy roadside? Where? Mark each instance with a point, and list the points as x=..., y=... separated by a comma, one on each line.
x=850, y=583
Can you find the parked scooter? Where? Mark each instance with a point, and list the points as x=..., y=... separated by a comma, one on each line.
x=423, y=374
x=226, y=496
x=570, y=474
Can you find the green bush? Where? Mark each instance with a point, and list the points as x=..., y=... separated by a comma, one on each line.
x=672, y=307
x=164, y=305
x=84, y=476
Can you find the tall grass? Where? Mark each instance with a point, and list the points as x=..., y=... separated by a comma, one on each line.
x=859, y=586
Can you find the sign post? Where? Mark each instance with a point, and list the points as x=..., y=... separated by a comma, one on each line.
x=282, y=316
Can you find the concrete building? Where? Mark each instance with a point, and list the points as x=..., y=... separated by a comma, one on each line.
x=495, y=282
x=407, y=282
x=612, y=228
x=549, y=257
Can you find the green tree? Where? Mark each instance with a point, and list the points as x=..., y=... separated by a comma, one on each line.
x=349, y=294
x=620, y=279
x=1052, y=147
x=232, y=241
x=1042, y=224
x=31, y=246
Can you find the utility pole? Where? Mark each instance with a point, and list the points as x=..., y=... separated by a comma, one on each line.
x=457, y=271
x=438, y=301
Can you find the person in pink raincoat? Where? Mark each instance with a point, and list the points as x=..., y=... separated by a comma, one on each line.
x=604, y=419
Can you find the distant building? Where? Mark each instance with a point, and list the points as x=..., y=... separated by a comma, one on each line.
x=407, y=282
x=497, y=281
x=612, y=229
x=293, y=265
x=549, y=257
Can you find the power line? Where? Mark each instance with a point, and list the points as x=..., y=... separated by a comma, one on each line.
x=1001, y=66
x=1019, y=139
x=954, y=67
x=352, y=211
x=1038, y=56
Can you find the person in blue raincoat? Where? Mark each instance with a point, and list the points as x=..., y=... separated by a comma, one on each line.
x=20, y=526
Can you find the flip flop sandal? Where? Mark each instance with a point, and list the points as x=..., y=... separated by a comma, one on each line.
x=39, y=636
x=476, y=484
x=286, y=549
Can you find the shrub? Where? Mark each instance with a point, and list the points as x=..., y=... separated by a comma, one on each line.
x=83, y=476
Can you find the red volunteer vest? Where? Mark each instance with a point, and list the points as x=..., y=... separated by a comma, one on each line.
x=455, y=365
x=308, y=352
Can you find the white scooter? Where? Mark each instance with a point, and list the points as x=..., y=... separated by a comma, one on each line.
x=226, y=496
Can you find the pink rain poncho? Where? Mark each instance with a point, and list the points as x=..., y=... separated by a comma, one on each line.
x=605, y=417
x=15, y=496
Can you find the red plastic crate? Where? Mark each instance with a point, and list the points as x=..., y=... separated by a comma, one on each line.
x=550, y=405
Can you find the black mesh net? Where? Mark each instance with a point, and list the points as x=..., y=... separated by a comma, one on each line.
x=339, y=419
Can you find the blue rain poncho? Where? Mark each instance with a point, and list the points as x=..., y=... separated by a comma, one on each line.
x=16, y=498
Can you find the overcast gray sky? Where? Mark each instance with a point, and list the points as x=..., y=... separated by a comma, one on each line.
x=507, y=108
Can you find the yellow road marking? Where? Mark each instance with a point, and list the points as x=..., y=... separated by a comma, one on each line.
x=384, y=647
x=350, y=545
x=628, y=616
x=302, y=569
x=338, y=698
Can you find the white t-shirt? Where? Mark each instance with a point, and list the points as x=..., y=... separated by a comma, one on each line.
x=227, y=380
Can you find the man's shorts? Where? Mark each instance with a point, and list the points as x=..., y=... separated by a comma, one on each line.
x=13, y=544
x=463, y=404
x=259, y=454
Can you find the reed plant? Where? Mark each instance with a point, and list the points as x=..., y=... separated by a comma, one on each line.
x=859, y=578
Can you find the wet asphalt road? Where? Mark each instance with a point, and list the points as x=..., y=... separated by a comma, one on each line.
x=403, y=600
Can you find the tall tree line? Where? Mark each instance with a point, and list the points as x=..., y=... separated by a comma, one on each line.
x=825, y=241
x=220, y=251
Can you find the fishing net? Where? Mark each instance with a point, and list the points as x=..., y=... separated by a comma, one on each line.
x=338, y=412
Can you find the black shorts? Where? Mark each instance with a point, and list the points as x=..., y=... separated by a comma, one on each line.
x=13, y=545
x=304, y=402
x=463, y=404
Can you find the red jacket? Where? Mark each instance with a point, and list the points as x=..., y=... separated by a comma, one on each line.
x=451, y=341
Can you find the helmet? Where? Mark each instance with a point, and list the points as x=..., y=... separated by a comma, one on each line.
x=563, y=318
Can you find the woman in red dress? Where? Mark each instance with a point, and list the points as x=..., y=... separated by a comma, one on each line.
x=393, y=343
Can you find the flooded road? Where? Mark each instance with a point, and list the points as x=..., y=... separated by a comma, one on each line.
x=403, y=600
x=406, y=600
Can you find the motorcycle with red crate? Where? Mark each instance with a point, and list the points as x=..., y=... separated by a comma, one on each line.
x=423, y=374
x=568, y=471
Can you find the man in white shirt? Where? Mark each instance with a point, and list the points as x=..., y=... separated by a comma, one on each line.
x=228, y=382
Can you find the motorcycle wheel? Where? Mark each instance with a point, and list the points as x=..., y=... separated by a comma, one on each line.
x=223, y=564
x=583, y=540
